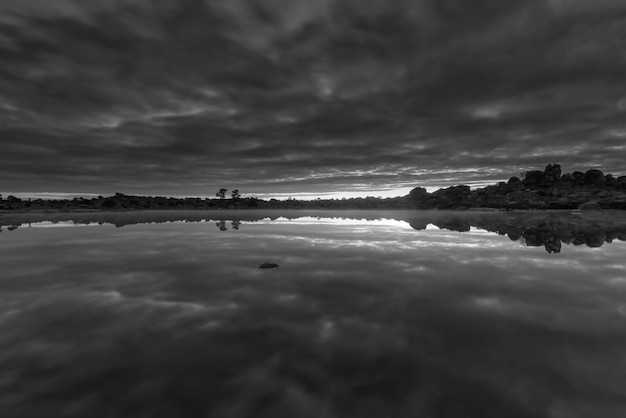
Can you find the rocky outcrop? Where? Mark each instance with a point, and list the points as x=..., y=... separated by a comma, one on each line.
x=514, y=182
x=590, y=206
x=532, y=178
x=457, y=197
x=551, y=175
x=547, y=189
x=418, y=193
x=595, y=178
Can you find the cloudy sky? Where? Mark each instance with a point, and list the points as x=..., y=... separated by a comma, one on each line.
x=282, y=97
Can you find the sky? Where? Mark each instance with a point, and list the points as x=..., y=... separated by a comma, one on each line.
x=302, y=98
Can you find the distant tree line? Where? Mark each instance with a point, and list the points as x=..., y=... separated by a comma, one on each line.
x=548, y=189
x=121, y=201
x=222, y=194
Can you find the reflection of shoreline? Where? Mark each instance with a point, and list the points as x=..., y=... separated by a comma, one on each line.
x=221, y=225
x=550, y=229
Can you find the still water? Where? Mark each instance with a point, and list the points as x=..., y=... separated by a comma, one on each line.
x=370, y=314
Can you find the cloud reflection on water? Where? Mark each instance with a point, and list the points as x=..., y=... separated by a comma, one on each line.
x=549, y=229
x=176, y=319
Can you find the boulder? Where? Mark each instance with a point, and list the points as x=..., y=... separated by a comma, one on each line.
x=514, y=181
x=267, y=265
x=462, y=188
x=610, y=180
x=579, y=178
x=532, y=178
x=591, y=205
x=455, y=197
x=551, y=174
x=595, y=178
x=565, y=184
x=418, y=194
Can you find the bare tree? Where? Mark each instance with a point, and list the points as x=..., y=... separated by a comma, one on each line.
x=222, y=193
x=235, y=194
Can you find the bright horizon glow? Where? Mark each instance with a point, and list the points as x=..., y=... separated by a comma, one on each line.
x=378, y=193
x=265, y=196
x=381, y=193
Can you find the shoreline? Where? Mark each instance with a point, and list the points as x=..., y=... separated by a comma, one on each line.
x=537, y=190
x=477, y=209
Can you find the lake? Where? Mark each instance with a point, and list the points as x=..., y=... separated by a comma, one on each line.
x=370, y=314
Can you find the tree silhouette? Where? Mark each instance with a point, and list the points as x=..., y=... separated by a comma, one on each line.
x=222, y=193
x=235, y=194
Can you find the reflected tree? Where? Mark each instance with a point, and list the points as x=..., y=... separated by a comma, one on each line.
x=221, y=225
x=235, y=224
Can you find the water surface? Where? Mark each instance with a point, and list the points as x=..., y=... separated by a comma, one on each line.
x=370, y=314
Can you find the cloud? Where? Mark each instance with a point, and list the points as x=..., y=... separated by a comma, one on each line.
x=147, y=97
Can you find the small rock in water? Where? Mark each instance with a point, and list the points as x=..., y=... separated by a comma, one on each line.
x=267, y=265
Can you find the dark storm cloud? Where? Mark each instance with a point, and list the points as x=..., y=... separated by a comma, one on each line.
x=180, y=97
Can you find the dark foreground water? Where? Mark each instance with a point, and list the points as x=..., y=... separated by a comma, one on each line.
x=378, y=314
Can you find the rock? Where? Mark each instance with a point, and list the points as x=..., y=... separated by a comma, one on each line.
x=610, y=180
x=551, y=174
x=514, y=181
x=267, y=265
x=568, y=178
x=564, y=185
x=594, y=178
x=532, y=178
x=591, y=205
x=461, y=188
x=579, y=178
x=454, y=197
x=418, y=194
x=515, y=235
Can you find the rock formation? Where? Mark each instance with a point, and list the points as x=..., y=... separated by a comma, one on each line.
x=547, y=189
